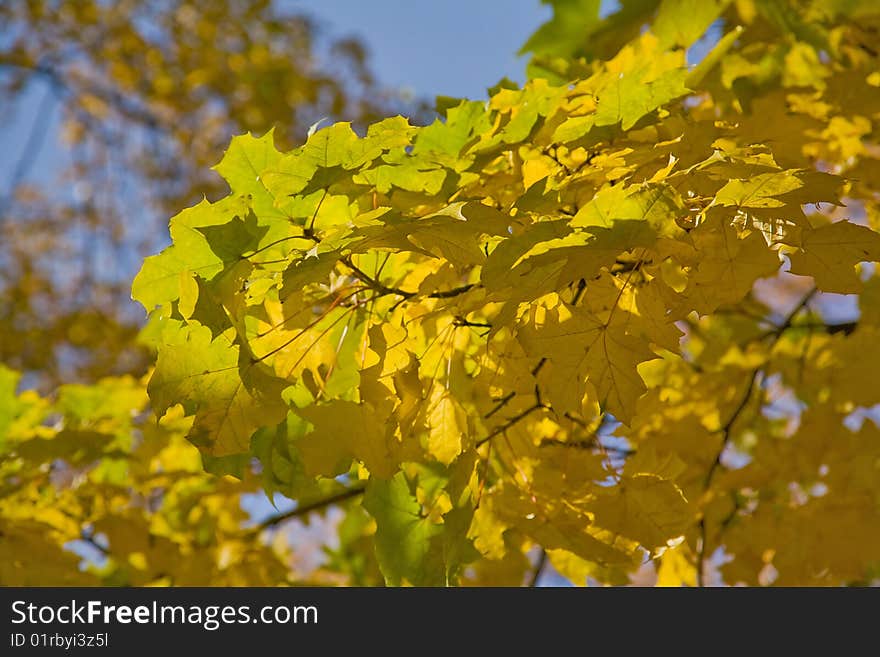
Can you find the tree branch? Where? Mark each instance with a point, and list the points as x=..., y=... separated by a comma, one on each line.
x=373, y=283
x=504, y=427
x=89, y=538
x=305, y=509
x=581, y=286
x=725, y=429
x=454, y=292
x=384, y=289
x=501, y=404
x=117, y=100
x=31, y=149
x=539, y=567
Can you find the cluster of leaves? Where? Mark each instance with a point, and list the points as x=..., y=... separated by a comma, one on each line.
x=142, y=96
x=94, y=490
x=91, y=473
x=583, y=317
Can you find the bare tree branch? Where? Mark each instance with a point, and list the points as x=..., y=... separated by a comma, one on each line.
x=31, y=150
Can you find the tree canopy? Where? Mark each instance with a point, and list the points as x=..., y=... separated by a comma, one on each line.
x=622, y=320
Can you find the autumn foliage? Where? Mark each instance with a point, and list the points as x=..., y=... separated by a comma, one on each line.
x=621, y=320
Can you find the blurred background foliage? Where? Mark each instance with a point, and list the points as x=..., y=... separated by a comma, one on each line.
x=147, y=94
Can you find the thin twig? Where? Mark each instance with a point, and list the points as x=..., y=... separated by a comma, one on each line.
x=385, y=289
x=501, y=404
x=504, y=427
x=581, y=286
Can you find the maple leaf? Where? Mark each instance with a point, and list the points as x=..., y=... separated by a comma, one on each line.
x=600, y=351
x=762, y=191
x=232, y=396
x=161, y=276
x=345, y=430
x=447, y=426
x=830, y=253
x=728, y=265
x=403, y=535
x=646, y=508
x=558, y=525
x=244, y=161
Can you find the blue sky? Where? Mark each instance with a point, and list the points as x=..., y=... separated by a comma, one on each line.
x=451, y=48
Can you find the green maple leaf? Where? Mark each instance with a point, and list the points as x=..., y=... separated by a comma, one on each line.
x=403, y=535
x=231, y=395
x=242, y=167
x=159, y=280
